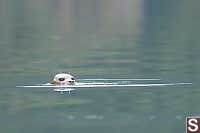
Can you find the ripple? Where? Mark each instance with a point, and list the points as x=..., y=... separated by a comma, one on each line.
x=71, y=117
x=179, y=117
x=152, y=117
x=93, y=117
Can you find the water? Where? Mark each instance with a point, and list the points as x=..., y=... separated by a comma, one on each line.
x=99, y=39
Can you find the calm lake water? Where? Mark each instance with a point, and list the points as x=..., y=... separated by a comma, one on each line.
x=99, y=39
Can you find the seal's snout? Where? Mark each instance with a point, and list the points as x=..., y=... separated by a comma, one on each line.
x=72, y=82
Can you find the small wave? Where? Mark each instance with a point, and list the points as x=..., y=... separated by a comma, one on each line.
x=92, y=117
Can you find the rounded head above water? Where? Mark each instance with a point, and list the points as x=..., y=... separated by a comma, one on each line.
x=63, y=79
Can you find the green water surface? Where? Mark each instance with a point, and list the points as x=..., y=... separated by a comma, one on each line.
x=99, y=39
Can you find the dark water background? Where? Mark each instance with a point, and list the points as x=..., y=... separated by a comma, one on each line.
x=99, y=39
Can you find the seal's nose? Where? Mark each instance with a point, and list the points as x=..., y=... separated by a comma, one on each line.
x=72, y=82
x=61, y=79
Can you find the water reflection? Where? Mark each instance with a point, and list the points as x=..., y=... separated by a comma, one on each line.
x=95, y=39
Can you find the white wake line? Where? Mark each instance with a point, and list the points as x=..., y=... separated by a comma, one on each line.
x=114, y=85
x=117, y=79
x=96, y=83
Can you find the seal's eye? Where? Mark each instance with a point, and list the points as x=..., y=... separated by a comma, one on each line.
x=73, y=78
x=61, y=79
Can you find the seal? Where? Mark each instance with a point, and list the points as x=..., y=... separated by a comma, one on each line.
x=63, y=79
